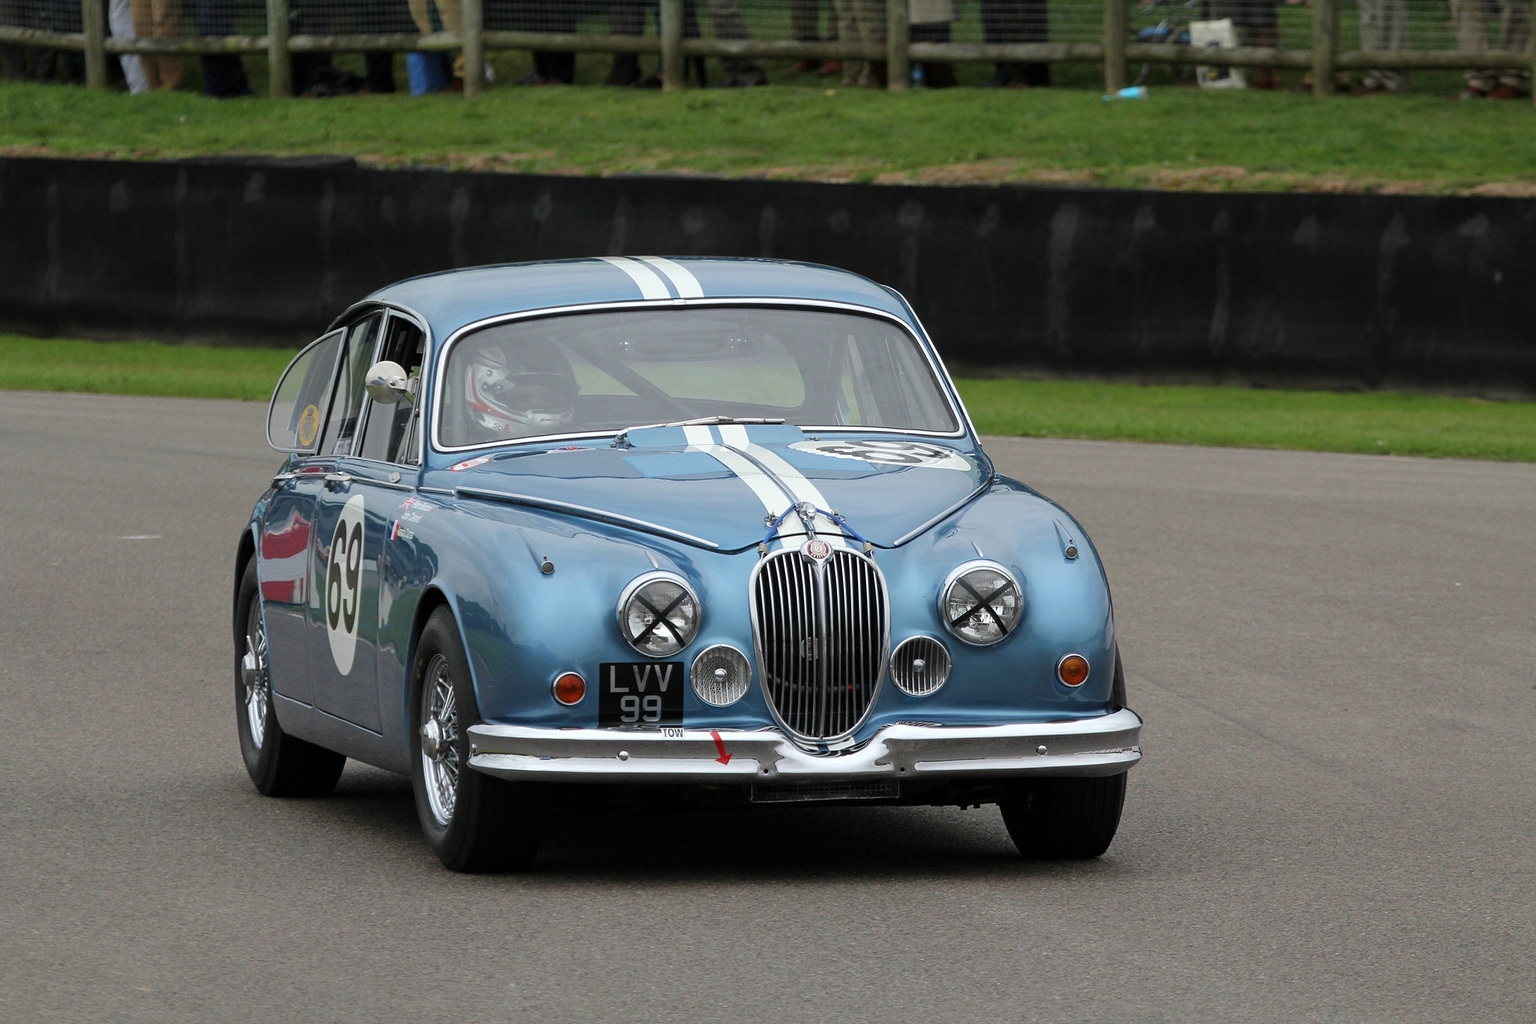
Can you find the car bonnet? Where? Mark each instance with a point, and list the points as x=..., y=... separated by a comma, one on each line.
x=727, y=485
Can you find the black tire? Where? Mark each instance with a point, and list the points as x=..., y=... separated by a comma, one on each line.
x=1064, y=818
x=472, y=821
x=279, y=764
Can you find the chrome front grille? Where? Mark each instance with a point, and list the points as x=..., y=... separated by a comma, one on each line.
x=821, y=631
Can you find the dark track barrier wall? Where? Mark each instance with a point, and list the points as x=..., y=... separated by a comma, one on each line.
x=1350, y=289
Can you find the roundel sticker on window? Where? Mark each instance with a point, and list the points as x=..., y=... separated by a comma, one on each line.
x=889, y=453
x=343, y=596
x=309, y=426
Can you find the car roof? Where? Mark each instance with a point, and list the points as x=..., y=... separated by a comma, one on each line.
x=452, y=299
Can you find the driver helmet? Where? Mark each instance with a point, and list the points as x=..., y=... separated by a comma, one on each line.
x=516, y=390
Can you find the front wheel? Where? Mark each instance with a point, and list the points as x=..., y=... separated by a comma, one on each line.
x=1064, y=818
x=473, y=822
x=279, y=764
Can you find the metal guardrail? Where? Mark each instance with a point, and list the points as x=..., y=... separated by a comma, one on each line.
x=1115, y=50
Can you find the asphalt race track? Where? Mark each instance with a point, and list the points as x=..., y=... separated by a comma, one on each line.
x=1335, y=820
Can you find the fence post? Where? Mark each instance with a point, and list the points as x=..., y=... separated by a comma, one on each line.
x=279, y=70
x=93, y=16
x=1325, y=40
x=898, y=37
x=674, y=73
x=471, y=26
x=1116, y=26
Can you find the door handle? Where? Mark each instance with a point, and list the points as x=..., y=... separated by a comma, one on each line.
x=337, y=480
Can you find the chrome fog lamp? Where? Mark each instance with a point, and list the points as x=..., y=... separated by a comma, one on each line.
x=981, y=603
x=920, y=665
x=658, y=614
x=720, y=675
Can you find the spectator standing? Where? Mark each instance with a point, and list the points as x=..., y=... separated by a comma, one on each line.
x=120, y=20
x=930, y=24
x=550, y=67
x=449, y=14
x=862, y=21
x=735, y=72
x=1017, y=21
x=158, y=19
x=1258, y=25
x=805, y=27
x=223, y=73
x=1471, y=18
x=1383, y=26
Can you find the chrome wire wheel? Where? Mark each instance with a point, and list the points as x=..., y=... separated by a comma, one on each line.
x=440, y=739
x=255, y=676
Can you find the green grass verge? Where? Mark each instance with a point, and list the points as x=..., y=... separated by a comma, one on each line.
x=1177, y=138
x=1377, y=423
x=139, y=368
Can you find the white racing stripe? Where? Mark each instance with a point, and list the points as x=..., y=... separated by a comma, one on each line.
x=651, y=286
x=686, y=284
x=769, y=491
x=735, y=436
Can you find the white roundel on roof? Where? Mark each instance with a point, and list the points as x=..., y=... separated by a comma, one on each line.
x=343, y=593
x=889, y=453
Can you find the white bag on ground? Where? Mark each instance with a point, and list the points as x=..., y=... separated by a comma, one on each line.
x=1220, y=35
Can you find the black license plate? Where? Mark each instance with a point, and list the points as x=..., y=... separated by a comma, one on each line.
x=640, y=693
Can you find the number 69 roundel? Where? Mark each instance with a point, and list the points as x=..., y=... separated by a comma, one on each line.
x=341, y=583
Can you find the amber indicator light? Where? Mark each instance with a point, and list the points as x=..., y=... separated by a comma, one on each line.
x=570, y=688
x=1073, y=670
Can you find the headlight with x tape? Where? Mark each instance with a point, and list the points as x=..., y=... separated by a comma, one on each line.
x=981, y=603
x=658, y=614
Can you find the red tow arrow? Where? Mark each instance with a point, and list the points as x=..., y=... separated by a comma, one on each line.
x=724, y=758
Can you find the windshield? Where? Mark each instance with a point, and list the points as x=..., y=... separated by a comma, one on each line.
x=602, y=372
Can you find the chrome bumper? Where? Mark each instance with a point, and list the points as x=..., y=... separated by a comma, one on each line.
x=1096, y=746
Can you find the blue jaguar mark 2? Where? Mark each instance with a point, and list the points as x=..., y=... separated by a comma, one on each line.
x=701, y=529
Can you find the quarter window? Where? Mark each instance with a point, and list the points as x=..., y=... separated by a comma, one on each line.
x=299, y=403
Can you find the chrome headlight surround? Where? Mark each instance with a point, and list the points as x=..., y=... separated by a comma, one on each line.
x=659, y=614
x=981, y=603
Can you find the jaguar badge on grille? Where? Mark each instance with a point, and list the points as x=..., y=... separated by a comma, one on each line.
x=816, y=549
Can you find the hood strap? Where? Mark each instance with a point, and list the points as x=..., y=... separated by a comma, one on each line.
x=842, y=524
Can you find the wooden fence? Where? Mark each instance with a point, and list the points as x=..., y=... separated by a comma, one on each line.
x=1114, y=51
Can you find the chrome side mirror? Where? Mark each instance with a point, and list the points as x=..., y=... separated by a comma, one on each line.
x=387, y=383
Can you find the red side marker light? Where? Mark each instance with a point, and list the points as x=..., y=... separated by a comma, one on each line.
x=570, y=688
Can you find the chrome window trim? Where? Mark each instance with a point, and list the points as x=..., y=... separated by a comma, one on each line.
x=654, y=576
x=959, y=571
x=924, y=344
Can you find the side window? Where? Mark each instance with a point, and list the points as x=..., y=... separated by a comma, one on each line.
x=347, y=401
x=293, y=418
x=392, y=430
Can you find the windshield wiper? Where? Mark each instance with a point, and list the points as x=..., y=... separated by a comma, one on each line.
x=621, y=439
